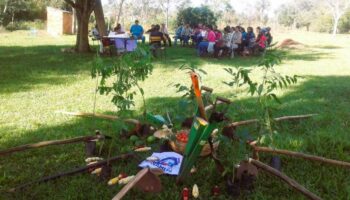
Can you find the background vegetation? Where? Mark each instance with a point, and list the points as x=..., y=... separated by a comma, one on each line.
x=310, y=15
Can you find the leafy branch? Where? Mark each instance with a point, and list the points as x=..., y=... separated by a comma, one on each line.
x=265, y=88
x=126, y=73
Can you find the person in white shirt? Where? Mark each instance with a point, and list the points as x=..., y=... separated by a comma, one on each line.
x=165, y=32
x=236, y=40
x=223, y=46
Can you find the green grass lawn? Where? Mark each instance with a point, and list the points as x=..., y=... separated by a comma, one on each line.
x=37, y=79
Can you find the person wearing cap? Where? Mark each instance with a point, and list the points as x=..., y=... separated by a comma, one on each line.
x=137, y=31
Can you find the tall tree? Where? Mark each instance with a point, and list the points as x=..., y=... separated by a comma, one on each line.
x=262, y=7
x=83, y=12
x=338, y=8
x=165, y=6
x=197, y=15
x=119, y=11
x=298, y=14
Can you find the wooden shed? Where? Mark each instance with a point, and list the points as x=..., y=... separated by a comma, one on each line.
x=59, y=22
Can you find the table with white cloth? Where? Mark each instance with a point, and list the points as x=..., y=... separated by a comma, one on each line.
x=123, y=42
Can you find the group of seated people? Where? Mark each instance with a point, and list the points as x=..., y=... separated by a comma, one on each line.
x=233, y=40
x=207, y=39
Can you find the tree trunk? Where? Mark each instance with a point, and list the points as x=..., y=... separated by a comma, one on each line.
x=74, y=28
x=335, y=25
x=167, y=14
x=13, y=17
x=82, y=42
x=5, y=8
x=83, y=9
x=100, y=18
x=119, y=12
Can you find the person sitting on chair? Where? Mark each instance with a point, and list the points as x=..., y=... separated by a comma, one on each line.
x=217, y=32
x=268, y=36
x=164, y=30
x=223, y=46
x=186, y=34
x=236, y=40
x=95, y=32
x=155, y=39
x=207, y=45
x=178, y=34
x=151, y=29
x=137, y=31
x=260, y=44
x=250, y=39
x=119, y=29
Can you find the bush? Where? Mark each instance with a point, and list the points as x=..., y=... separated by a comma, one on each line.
x=26, y=25
x=196, y=15
x=344, y=24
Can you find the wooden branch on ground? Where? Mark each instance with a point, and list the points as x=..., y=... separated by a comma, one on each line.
x=101, y=116
x=50, y=143
x=291, y=182
x=252, y=121
x=73, y=172
x=302, y=155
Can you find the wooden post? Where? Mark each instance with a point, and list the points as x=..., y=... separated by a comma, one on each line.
x=49, y=143
x=291, y=182
x=252, y=121
x=302, y=155
x=73, y=172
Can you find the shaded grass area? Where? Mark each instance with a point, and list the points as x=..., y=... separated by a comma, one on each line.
x=38, y=80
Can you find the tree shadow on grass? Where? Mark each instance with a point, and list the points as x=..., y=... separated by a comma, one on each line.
x=324, y=135
x=331, y=47
x=306, y=55
x=178, y=56
x=22, y=68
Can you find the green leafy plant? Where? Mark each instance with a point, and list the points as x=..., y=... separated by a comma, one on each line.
x=185, y=89
x=264, y=89
x=122, y=78
x=187, y=102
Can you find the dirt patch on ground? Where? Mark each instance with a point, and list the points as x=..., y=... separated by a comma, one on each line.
x=290, y=43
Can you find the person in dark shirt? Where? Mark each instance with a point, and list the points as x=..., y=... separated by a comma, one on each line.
x=250, y=37
x=268, y=36
x=156, y=38
x=151, y=29
x=258, y=33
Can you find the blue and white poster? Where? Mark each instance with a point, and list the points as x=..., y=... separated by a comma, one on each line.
x=169, y=162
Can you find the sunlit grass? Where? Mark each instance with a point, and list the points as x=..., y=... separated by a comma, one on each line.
x=37, y=79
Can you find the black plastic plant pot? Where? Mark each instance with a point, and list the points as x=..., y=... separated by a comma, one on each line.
x=247, y=182
x=233, y=188
x=276, y=163
x=90, y=148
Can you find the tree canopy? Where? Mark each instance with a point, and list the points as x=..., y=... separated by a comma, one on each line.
x=196, y=15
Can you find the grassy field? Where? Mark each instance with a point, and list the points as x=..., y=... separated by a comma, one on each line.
x=37, y=79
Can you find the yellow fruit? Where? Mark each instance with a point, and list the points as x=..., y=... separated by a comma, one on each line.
x=93, y=159
x=97, y=171
x=113, y=181
x=126, y=180
x=195, y=191
x=143, y=149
